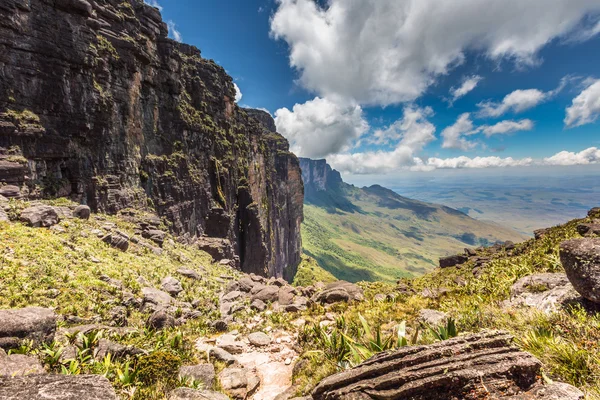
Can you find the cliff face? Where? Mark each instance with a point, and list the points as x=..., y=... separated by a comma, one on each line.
x=318, y=176
x=97, y=104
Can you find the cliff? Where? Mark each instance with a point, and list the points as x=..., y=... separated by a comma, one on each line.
x=98, y=105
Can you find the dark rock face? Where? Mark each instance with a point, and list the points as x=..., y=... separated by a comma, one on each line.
x=97, y=104
x=34, y=323
x=581, y=260
x=469, y=367
x=318, y=176
x=451, y=261
x=57, y=387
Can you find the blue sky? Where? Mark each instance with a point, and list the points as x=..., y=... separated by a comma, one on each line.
x=368, y=84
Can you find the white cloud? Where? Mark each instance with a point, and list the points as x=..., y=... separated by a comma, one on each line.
x=413, y=130
x=174, y=32
x=467, y=86
x=321, y=127
x=586, y=106
x=585, y=157
x=517, y=101
x=238, y=93
x=505, y=127
x=154, y=3
x=477, y=162
x=382, y=52
x=454, y=135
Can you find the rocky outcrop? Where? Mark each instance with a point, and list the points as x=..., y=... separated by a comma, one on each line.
x=26, y=324
x=547, y=292
x=57, y=387
x=98, y=105
x=318, y=176
x=469, y=367
x=581, y=260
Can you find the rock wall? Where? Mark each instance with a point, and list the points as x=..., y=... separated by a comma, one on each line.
x=318, y=176
x=97, y=104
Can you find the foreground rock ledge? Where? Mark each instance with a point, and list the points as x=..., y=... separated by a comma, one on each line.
x=468, y=367
x=56, y=387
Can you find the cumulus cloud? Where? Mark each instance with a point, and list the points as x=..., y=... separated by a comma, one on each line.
x=586, y=106
x=412, y=130
x=321, y=127
x=455, y=135
x=585, y=157
x=517, y=101
x=175, y=34
x=238, y=93
x=467, y=86
x=381, y=52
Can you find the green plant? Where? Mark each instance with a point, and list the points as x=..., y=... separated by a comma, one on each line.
x=444, y=332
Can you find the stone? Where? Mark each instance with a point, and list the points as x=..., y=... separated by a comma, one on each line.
x=116, y=350
x=117, y=241
x=222, y=355
x=171, y=286
x=267, y=294
x=155, y=235
x=547, y=292
x=189, y=273
x=558, y=391
x=592, y=229
x=540, y=233
x=581, y=261
x=202, y=373
x=160, y=319
x=39, y=216
x=484, y=365
x=452, y=261
x=593, y=213
x=82, y=212
x=470, y=252
x=239, y=383
x=330, y=296
x=3, y=215
x=57, y=387
x=246, y=284
x=220, y=326
x=192, y=394
x=432, y=318
x=380, y=297
x=10, y=191
x=229, y=343
x=156, y=297
x=19, y=365
x=231, y=296
x=33, y=323
x=259, y=339
x=258, y=305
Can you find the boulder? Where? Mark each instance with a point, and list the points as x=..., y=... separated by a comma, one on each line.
x=593, y=213
x=540, y=233
x=452, y=261
x=3, y=215
x=339, y=291
x=116, y=350
x=432, y=318
x=229, y=343
x=155, y=235
x=478, y=366
x=160, y=319
x=189, y=273
x=581, y=261
x=266, y=293
x=286, y=295
x=220, y=325
x=259, y=339
x=19, y=365
x=82, y=212
x=592, y=229
x=547, y=292
x=156, y=297
x=192, y=394
x=10, y=191
x=231, y=296
x=39, y=216
x=239, y=383
x=57, y=387
x=246, y=284
x=34, y=323
x=117, y=241
x=202, y=373
x=171, y=286
x=258, y=305
x=222, y=355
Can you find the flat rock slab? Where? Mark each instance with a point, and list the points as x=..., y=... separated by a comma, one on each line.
x=259, y=339
x=56, y=387
x=33, y=323
x=19, y=365
x=203, y=373
x=455, y=368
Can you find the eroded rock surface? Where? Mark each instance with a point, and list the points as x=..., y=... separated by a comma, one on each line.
x=581, y=260
x=33, y=323
x=56, y=387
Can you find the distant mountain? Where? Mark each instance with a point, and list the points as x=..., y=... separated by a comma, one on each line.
x=373, y=233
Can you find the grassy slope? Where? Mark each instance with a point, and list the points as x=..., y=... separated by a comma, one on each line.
x=567, y=342
x=390, y=237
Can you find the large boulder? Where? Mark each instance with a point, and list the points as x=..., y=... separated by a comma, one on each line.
x=581, y=260
x=265, y=293
x=10, y=191
x=156, y=297
x=19, y=364
x=171, y=286
x=239, y=383
x=591, y=229
x=202, y=373
x=82, y=212
x=117, y=241
x=39, y=216
x=33, y=323
x=547, y=292
x=484, y=365
x=452, y=261
x=56, y=387
x=339, y=291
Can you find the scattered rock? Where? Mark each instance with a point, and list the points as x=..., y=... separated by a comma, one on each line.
x=3, y=215
x=155, y=235
x=468, y=367
x=558, y=391
x=265, y=293
x=581, y=260
x=220, y=326
x=116, y=350
x=593, y=213
x=331, y=296
x=160, y=320
x=34, y=323
x=231, y=296
x=258, y=305
x=432, y=318
x=380, y=297
x=39, y=216
x=246, y=284
x=57, y=387
x=229, y=343
x=117, y=241
x=189, y=273
x=222, y=355
x=546, y=292
x=191, y=394
x=259, y=339
x=452, y=261
x=171, y=286
x=592, y=229
x=82, y=212
x=540, y=233
x=10, y=191
x=203, y=373
x=156, y=297
x=286, y=295
x=19, y=365
x=239, y=383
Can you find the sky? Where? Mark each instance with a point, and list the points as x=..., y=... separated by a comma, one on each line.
x=388, y=87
